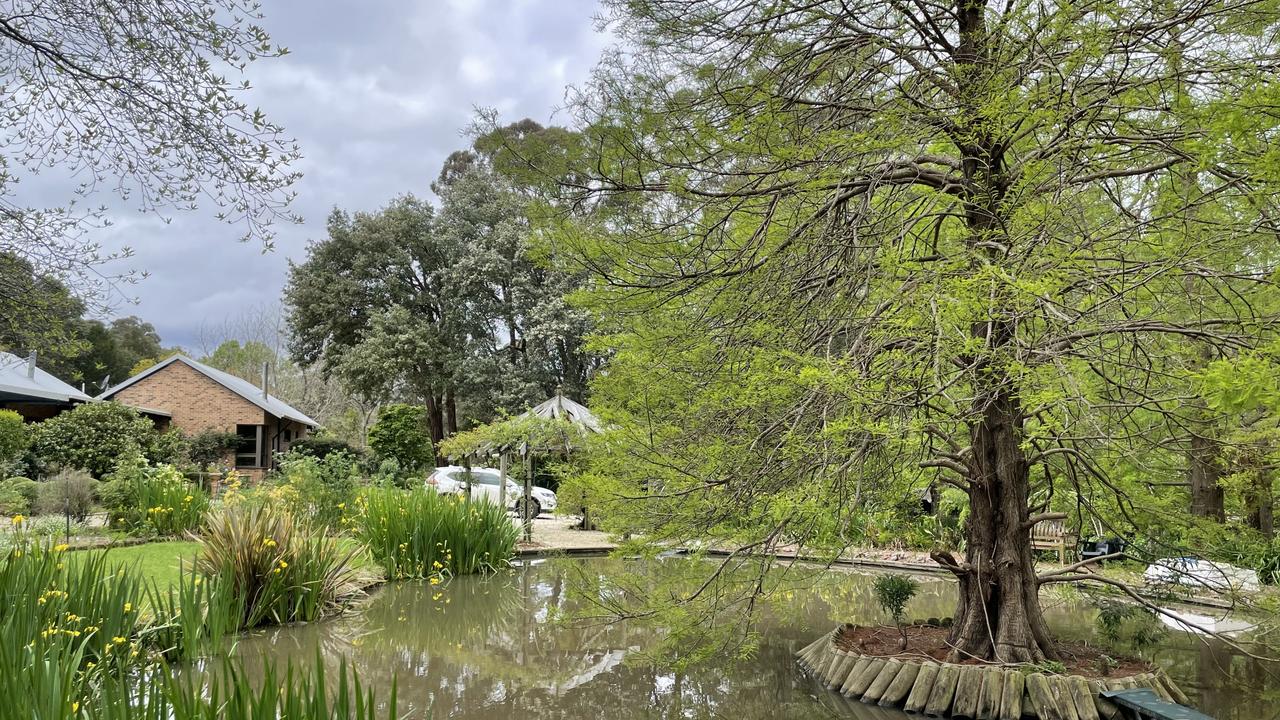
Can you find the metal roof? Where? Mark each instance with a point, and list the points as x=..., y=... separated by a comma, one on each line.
x=237, y=385
x=560, y=407
x=40, y=385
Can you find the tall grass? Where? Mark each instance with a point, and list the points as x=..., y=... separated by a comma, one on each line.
x=196, y=618
x=232, y=693
x=418, y=533
x=274, y=568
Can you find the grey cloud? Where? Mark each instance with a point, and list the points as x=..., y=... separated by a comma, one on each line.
x=377, y=94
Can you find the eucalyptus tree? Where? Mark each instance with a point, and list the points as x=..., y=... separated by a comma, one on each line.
x=923, y=233
x=134, y=97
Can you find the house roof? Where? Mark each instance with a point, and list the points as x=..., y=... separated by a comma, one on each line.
x=239, y=386
x=40, y=386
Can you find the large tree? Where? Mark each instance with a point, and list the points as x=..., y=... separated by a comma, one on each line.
x=137, y=97
x=934, y=234
x=459, y=309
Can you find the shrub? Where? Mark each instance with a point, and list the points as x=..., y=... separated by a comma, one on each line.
x=418, y=533
x=211, y=447
x=1268, y=564
x=13, y=440
x=276, y=569
x=18, y=496
x=92, y=436
x=893, y=592
x=316, y=490
x=401, y=433
x=69, y=493
x=322, y=447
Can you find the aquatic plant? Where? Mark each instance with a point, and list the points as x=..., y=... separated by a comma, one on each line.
x=154, y=500
x=278, y=569
x=420, y=534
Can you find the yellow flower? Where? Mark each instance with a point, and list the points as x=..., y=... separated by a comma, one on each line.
x=60, y=548
x=341, y=505
x=117, y=640
x=128, y=607
x=17, y=519
x=75, y=706
x=284, y=564
x=188, y=498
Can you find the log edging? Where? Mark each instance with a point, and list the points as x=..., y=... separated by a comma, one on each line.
x=974, y=692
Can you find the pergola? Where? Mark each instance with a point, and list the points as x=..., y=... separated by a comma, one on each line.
x=556, y=425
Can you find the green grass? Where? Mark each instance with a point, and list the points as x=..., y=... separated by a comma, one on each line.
x=156, y=562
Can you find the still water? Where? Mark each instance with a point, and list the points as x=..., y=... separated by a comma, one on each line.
x=482, y=648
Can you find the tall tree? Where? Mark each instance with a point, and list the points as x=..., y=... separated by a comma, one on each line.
x=927, y=231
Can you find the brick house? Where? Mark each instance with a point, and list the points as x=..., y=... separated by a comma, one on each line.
x=33, y=393
x=193, y=397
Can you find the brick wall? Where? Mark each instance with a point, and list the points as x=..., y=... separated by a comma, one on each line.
x=193, y=400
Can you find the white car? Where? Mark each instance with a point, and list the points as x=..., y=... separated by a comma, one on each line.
x=451, y=480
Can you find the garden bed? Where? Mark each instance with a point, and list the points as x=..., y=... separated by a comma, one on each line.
x=865, y=664
x=928, y=642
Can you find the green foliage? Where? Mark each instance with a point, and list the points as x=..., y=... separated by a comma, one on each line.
x=1122, y=624
x=13, y=440
x=321, y=447
x=316, y=490
x=211, y=447
x=152, y=500
x=418, y=533
x=69, y=493
x=78, y=613
x=401, y=434
x=18, y=496
x=893, y=592
x=171, y=448
x=92, y=436
x=1268, y=565
x=276, y=569
x=194, y=618
x=167, y=504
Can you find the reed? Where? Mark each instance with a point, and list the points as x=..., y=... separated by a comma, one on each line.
x=420, y=534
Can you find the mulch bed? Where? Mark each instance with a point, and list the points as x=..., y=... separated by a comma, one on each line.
x=926, y=641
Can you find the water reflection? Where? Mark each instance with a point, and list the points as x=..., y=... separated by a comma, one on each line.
x=489, y=648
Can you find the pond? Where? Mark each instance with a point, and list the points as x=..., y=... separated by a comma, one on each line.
x=485, y=648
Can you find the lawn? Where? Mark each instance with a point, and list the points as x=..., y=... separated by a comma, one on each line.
x=159, y=562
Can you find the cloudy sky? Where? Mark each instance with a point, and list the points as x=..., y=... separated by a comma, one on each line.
x=377, y=94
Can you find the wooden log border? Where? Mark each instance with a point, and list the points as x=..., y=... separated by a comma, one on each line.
x=969, y=691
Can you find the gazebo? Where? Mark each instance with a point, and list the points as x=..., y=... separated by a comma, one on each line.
x=556, y=425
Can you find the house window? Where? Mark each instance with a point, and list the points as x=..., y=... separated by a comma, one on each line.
x=248, y=452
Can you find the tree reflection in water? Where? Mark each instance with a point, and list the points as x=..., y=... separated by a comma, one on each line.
x=491, y=647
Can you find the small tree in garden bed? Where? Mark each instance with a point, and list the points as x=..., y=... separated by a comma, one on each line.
x=893, y=592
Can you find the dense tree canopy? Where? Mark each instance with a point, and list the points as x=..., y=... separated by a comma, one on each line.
x=846, y=250
x=459, y=308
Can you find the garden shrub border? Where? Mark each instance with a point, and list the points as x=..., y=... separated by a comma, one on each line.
x=970, y=691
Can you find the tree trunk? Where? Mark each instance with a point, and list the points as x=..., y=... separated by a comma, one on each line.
x=435, y=418
x=1261, y=503
x=1203, y=473
x=450, y=412
x=998, y=611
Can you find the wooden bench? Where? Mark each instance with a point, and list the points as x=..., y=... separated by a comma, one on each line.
x=1146, y=705
x=1053, y=535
